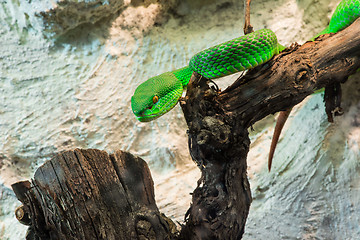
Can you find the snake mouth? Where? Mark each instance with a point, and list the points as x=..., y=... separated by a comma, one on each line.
x=147, y=118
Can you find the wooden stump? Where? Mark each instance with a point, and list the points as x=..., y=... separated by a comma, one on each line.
x=89, y=194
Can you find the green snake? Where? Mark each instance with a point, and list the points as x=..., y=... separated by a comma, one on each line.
x=158, y=95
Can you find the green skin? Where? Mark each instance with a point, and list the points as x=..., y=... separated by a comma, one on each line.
x=158, y=95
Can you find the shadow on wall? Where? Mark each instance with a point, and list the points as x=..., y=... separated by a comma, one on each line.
x=66, y=17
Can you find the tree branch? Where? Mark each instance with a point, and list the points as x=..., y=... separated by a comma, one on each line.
x=218, y=123
x=289, y=77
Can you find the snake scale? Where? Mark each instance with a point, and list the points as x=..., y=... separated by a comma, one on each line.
x=158, y=95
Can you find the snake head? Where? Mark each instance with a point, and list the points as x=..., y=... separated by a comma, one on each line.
x=156, y=96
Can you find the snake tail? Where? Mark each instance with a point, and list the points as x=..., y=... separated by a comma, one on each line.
x=280, y=122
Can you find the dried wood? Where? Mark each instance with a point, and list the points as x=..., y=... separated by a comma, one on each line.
x=89, y=194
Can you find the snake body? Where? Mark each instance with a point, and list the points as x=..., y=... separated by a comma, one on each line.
x=160, y=94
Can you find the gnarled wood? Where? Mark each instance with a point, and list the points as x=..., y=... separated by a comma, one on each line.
x=218, y=123
x=89, y=194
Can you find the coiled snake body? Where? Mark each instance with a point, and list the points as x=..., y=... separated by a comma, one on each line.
x=160, y=94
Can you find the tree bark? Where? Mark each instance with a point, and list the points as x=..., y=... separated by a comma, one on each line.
x=219, y=145
x=88, y=194
x=218, y=123
x=294, y=74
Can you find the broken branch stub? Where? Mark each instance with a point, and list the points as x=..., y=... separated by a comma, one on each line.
x=89, y=194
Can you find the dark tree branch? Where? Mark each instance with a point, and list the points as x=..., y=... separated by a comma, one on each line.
x=292, y=75
x=220, y=203
x=218, y=123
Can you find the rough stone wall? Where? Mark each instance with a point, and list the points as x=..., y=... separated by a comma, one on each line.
x=68, y=14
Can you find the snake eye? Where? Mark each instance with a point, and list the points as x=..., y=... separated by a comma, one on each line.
x=155, y=99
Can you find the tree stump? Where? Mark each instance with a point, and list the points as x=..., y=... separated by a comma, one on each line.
x=89, y=194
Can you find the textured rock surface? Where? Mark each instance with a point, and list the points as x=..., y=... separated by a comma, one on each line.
x=76, y=93
x=69, y=14
x=66, y=15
